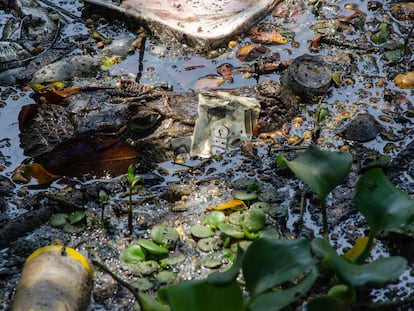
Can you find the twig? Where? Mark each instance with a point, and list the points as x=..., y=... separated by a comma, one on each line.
x=66, y=203
x=119, y=280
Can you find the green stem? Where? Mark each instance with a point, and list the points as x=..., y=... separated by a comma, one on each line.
x=130, y=212
x=119, y=280
x=324, y=219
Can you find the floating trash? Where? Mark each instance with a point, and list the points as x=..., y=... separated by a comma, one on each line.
x=54, y=277
x=224, y=121
x=203, y=24
x=308, y=76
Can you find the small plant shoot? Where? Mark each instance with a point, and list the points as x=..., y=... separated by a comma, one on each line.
x=134, y=183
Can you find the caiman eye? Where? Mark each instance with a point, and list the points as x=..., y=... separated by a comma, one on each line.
x=144, y=120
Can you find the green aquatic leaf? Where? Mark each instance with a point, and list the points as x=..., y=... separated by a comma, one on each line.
x=149, y=303
x=244, y=195
x=142, y=284
x=343, y=292
x=277, y=300
x=200, y=295
x=374, y=273
x=221, y=278
x=77, y=217
x=153, y=248
x=253, y=220
x=214, y=218
x=279, y=261
x=382, y=34
x=133, y=254
x=384, y=206
x=164, y=235
x=231, y=230
x=172, y=260
x=165, y=277
x=320, y=170
x=59, y=220
x=208, y=244
x=146, y=267
x=213, y=260
x=234, y=218
x=201, y=232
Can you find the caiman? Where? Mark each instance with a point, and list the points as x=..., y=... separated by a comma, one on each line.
x=145, y=117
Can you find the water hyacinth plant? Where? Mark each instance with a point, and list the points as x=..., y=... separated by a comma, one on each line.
x=278, y=273
x=322, y=171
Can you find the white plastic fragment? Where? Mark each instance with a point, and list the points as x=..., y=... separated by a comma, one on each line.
x=80, y=66
x=224, y=121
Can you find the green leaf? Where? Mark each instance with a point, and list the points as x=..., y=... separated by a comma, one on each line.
x=253, y=220
x=133, y=254
x=214, y=218
x=268, y=262
x=277, y=300
x=201, y=232
x=59, y=220
x=147, y=267
x=165, y=277
x=153, y=248
x=343, y=292
x=164, y=235
x=76, y=217
x=133, y=179
x=382, y=34
x=226, y=277
x=200, y=295
x=320, y=170
x=383, y=205
x=231, y=230
x=213, y=260
x=148, y=303
x=172, y=260
x=208, y=244
x=244, y=195
x=375, y=273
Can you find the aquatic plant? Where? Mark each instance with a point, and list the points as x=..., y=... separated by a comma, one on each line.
x=272, y=274
x=134, y=183
x=322, y=171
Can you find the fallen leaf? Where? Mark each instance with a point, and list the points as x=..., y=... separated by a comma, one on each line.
x=226, y=71
x=55, y=97
x=405, y=80
x=232, y=204
x=356, y=250
x=209, y=81
x=251, y=52
x=404, y=11
x=25, y=172
x=267, y=33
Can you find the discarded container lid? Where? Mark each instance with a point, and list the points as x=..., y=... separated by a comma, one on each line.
x=54, y=277
x=224, y=121
x=308, y=76
x=198, y=23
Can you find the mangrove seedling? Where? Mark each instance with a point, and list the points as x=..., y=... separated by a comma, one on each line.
x=134, y=183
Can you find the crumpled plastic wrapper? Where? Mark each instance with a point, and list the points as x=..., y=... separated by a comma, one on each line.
x=224, y=121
